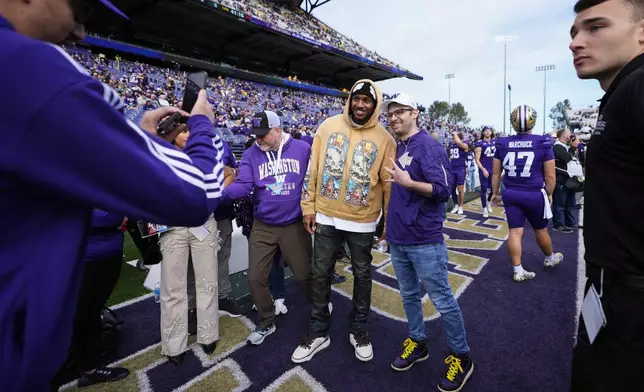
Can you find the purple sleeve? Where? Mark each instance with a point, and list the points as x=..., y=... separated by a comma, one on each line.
x=229, y=157
x=433, y=162
x=80, y=146
x=199, y=149
x=498, y=154
x=546, y=145
x=244, y=184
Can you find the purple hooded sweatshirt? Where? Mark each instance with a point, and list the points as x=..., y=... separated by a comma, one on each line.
x=261, y=173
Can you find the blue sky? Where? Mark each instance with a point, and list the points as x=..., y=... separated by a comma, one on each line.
x=433, y=38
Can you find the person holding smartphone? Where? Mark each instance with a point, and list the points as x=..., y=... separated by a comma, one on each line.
x=177, y=245
x=55, y=186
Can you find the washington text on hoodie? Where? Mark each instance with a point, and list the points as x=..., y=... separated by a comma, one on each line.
x=258, y=173
x=67, y=149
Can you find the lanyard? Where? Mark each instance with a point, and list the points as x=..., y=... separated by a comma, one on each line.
x=276, y=162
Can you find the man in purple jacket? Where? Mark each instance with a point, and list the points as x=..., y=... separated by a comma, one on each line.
x=273, y=169
x=415, y=235
x=67, y=149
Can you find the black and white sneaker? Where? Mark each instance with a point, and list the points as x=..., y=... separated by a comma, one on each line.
x=259, y=334
x=228, y=306
x=362, y=345
x=104, y=374
x=310, y=346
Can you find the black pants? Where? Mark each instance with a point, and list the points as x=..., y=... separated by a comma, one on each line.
x=614, y=361
x=341, y=252
x=327, y=239
x=99, y=280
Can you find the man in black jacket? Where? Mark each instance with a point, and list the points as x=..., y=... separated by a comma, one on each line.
x=563, y=200
x=608, y=45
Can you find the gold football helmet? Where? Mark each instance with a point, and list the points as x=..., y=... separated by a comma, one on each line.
x=523, y=119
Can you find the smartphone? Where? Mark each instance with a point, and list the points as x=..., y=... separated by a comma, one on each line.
x=195, y=82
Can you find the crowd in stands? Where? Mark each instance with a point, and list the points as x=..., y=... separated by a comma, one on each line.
x=146, y=87
x=298, y=21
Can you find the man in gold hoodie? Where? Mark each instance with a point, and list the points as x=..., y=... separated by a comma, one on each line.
x=342, y=198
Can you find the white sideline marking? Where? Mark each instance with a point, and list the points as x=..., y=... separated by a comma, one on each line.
x=132, y=301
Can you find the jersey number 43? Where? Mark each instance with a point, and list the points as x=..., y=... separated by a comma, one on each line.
x=489, y=151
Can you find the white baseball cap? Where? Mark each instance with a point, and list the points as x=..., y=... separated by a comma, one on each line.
x=399, y=98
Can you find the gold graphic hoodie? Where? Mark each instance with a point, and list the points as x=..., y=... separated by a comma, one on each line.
x=346, y=176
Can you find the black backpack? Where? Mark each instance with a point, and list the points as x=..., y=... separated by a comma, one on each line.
x=112, y=330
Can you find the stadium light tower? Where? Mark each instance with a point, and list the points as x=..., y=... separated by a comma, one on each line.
x=449, y=78
x=505, y=39
x=544, y=69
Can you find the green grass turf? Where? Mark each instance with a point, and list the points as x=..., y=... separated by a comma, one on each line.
x=130, y=284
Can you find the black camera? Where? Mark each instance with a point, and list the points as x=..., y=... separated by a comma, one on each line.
x=170, y=123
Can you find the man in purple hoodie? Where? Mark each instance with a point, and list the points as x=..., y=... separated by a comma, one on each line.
x=273, y=169
x=415, y=234
x=69, y=150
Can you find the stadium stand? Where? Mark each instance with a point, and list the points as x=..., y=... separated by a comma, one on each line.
x=267, y=42
x=305, y=25
x=581, y=118
x=146, y=87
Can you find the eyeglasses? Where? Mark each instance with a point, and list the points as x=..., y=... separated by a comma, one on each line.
x=398, y=113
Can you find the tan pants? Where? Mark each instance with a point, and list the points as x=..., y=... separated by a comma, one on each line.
x=176, y=246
